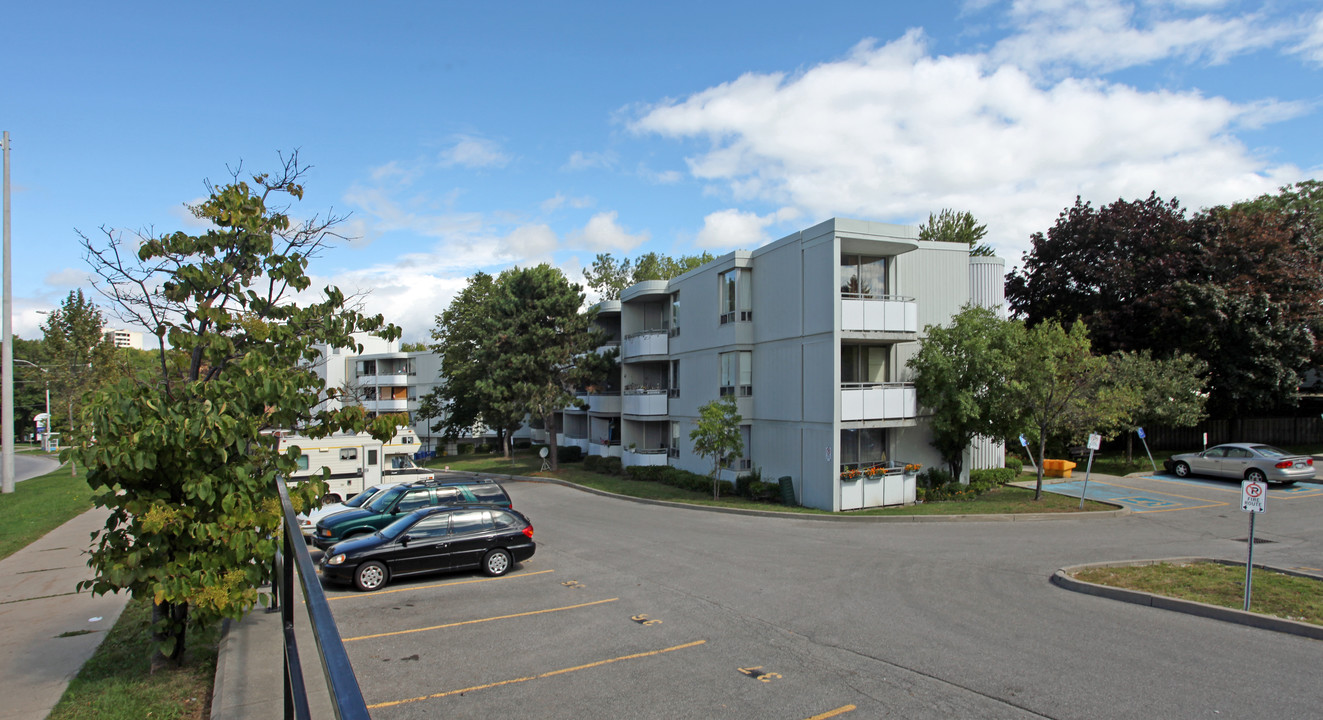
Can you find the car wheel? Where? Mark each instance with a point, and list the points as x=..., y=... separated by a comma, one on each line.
x=496, y=563
x=331, y=499
x=1182, y=469
x=1256, y=475
x=370, y=576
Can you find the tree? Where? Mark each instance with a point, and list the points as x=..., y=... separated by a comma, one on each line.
x=188, y=466
x=609, y=276
x=957, y=227
x=960, y=372
x=78, y=355
x=1166, y=392
x=1060, y=389
x=30, y=383
x=717, y=436
x=540, y=346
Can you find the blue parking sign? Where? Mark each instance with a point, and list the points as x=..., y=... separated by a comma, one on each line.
x=1141, y=432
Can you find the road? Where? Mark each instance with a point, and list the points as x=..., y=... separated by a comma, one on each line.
x=640, y=611
x=28, y=466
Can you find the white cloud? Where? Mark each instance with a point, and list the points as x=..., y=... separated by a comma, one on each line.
x=1311, y=48
x=729, y=229
x=894, y=133
x=560, y=200
x=475, y=152
x=1107, y=35
x=580, y=160
x=604, y=234
x=530, y=243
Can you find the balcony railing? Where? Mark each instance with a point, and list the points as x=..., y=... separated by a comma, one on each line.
x=885, y=313
x=648, y=342
x=878, y=401
x=644, y=402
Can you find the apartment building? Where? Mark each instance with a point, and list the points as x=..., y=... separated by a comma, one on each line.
x=810, y=334
x=383, y=379
x=130, y=339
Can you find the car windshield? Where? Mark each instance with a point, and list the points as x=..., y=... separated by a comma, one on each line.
x=361, y=498
x=1270, y=451
x=393, y=530
x=382, y=502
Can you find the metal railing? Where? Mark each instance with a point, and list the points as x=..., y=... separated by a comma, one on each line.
x=346, y=697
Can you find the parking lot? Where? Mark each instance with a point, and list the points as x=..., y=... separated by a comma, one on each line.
x=641, y=611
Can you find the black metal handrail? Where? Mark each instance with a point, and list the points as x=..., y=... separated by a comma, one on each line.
x=346, y=697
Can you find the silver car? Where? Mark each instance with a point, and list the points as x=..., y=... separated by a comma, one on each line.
x=1250, y=461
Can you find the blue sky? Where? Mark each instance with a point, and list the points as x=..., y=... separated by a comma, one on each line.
x=476, y=136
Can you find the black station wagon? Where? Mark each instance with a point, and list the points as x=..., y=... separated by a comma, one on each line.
x=402, y=499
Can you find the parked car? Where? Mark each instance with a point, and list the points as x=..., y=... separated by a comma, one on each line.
x=1250, y=461
x=308, y=522
x=401, y=499
x=433, y=539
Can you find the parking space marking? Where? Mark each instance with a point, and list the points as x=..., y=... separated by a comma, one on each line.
x=378, y=593
x=553, y=673
x=1145, y=503
x=481, y=620
x=1293, y=492
x=834, y=713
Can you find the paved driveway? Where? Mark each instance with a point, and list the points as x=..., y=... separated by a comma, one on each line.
x=640, y=611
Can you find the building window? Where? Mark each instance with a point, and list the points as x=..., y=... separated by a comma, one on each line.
x=367, y=367
x=737, y=373
x=745, y=462
x=348, y=453
x=675, y=379
x=863, y=276
x=674, y=449
x=675, y=314
x=864, y=363
x=864, y=448
x=736, y=287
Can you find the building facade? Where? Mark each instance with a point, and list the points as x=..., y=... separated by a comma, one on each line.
x=810, y=334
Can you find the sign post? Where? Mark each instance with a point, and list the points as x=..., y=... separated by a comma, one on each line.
x=1025, y=443
x=1095, y=442
x=1253, y=500
x=1146, y=450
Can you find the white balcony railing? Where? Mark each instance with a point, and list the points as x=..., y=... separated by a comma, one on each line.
x=604, y=401
x=650, y=342
x=640, y=457
x=890, y=313
x=644, y=402
x=878, y=401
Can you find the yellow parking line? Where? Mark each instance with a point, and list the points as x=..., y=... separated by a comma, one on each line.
x=553, y=673
x=482, y=620
x=1215, y=488
x=833, y=713
x=1183, y=497
x=361, y=596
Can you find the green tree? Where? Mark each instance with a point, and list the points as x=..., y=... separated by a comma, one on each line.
x=1060, y=389
x=31, y=381
x=188, y=466
x=541, y=347
x=1165, y=392
x=79, y=357
x=717, y=436
x=957, y=227
x=960, y=372
x=608, y=276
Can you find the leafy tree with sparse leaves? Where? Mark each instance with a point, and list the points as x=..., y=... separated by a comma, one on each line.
x=1166, y=392
x=188, y=466
x=717, y=435
x=957, y=227
x=609, y=276
x=960, y=373
x=78, y=355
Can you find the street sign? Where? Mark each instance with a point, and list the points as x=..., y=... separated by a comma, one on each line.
x=1141, y=433
x=1023, y=441
x=1095, y=441
x=1252, y=496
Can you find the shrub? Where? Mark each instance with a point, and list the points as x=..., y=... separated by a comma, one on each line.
x=568, y=454
x=464, y=449
x=649, y=473
x=484, y=449
x=592, y=462
x=994, y=477
x=611, y=466
x=764, y=492
x=522, y=444
x=1015, y=464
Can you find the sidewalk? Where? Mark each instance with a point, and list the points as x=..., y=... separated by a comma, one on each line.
x=38, y=603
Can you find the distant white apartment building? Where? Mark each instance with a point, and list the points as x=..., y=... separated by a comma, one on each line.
x=810, y=334
x=383, y=379
x=127, y=339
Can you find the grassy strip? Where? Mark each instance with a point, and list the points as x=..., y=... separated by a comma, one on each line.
x=1285, y=596
x=1007, y=500
x=117, y=682
x=40, y=505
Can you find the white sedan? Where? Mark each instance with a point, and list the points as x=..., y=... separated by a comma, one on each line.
x=1249, y=461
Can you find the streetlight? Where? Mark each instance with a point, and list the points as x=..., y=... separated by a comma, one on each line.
x=46, y=434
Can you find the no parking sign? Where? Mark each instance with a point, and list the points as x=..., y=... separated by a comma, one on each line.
x=1253, y=495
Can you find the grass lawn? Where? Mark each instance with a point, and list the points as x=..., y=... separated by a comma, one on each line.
x=1284, y=596
x=526, y=462
x=117, y=684
x=40, y=505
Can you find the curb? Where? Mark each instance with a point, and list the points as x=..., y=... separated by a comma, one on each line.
x=1002, y=517
x=220, y=678
x=1063, y=578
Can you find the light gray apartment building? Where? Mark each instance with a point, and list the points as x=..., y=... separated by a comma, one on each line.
x=810, y=334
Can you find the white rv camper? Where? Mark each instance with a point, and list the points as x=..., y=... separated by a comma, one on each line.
x=356, y=462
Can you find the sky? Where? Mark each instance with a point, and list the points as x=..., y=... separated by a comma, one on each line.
x=466, y=137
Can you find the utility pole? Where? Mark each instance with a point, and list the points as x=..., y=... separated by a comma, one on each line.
x=7, y=374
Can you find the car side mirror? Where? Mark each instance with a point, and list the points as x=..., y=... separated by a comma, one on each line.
x=404, y=540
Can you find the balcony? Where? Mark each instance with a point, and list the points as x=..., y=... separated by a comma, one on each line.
x=889, y=313
x=386, y=405
x=648, y=342
x=604, y=449
x=604, y=401
x=387, y=379
x=644, y=402
x=641, y=457
x=878, y=401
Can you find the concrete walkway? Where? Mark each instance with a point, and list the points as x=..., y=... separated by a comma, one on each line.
x=47, y=629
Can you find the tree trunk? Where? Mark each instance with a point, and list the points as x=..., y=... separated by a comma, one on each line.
x=171, y=635
x=1042, y=448
x=550, y=423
